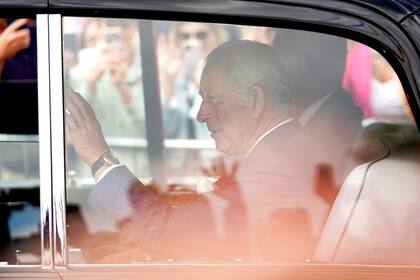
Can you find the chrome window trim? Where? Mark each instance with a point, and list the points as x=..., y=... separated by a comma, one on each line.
x=51, y=126
x=58, y=144
x=44, y=122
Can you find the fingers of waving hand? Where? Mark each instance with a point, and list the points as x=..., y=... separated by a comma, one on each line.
x=75, y=112
x=84, y=129
x=169, y=55
x=78, y=107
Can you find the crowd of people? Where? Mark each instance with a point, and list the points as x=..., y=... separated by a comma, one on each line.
x=108, y=72
x=102, y=56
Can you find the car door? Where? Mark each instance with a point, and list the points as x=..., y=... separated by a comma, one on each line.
x=21, y=183
x=159, y=156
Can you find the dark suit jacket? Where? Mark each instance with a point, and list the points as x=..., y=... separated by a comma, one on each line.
x=248, y=212
x=333, y=131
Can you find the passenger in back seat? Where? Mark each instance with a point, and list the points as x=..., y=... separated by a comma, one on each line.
x=314, y=64
x=247, y=110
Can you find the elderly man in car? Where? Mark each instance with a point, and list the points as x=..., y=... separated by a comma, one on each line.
x=248, y=109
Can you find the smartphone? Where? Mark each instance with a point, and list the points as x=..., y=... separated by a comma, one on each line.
x=113, y=37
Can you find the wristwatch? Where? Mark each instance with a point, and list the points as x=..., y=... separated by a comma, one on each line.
x=107, y=159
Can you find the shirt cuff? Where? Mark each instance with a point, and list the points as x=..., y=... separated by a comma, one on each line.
x=106, y=171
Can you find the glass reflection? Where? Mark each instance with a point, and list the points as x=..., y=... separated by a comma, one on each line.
x=261, y=137
x=19, y=168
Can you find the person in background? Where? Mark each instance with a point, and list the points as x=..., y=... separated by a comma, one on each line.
x=323, y=105
x=109, y=75
x=388, y=100
x=181, y=55
x=314, y=65
x=358, y=75
x=18, y=50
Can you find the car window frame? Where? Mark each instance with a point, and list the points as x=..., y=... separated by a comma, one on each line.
x=395, y=47
x=26, y=9
x=386, y=51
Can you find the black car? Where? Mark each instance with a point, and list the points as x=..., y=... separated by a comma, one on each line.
x=351, y=209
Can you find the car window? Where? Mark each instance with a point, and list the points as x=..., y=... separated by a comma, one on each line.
x=91, y=48
x=19, y=168
x=264, y=133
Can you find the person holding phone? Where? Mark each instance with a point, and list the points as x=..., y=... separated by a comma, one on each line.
x=181, y=57
x=17, y=49
x=109, y=72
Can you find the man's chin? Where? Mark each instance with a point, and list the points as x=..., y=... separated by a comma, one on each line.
x=223, y=146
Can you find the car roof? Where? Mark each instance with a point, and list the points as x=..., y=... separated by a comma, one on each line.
x=396, y=9
x=23, y=4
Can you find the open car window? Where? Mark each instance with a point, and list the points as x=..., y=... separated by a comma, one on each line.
x=20, y=241
x=277, y=145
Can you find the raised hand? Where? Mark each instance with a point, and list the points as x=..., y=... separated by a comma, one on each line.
x=170, y=63
x=225, y=186
x=105, y=61
x=84, y=129
x=14, y=39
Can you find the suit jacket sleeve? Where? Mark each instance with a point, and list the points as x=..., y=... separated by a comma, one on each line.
x=114, y=194
x=156, y=226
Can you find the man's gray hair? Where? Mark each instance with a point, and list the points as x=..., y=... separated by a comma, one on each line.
x=249, y=63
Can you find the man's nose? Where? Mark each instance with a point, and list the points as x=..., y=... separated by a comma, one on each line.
x=204, y=112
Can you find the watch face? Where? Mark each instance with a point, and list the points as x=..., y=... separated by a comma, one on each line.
x=110, y=159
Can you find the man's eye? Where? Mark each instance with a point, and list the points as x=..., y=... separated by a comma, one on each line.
x=211, y=99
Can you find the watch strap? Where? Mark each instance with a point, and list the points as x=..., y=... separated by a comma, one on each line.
x=106, y=159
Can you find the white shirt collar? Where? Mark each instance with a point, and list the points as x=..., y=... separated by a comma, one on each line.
x=265, y=134
x=311, y=110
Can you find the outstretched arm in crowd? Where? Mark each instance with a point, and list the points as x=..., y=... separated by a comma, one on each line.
x=13, y=39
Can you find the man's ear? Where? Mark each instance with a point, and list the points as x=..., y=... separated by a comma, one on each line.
x=257, y=101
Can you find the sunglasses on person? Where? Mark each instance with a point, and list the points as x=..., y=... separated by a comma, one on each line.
x=201, y=35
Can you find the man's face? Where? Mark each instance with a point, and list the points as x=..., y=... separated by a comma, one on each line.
x=226, y=118
x=196, y=33
x=94, y=33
